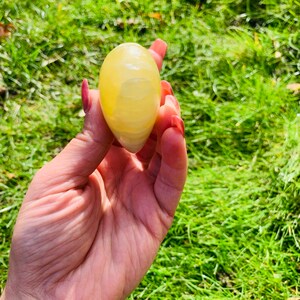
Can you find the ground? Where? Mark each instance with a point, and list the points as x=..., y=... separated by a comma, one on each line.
x=234, y=67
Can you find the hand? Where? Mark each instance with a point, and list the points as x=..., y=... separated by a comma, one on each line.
x=94, y=217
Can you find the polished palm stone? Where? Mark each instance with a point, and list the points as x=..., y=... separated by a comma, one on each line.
x=129, y=85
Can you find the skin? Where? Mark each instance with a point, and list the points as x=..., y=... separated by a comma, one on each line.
x=94, y=217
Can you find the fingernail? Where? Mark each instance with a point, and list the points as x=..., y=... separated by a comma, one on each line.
x=85, y=95
x=178, y=123
x=160, y=47
x=174, y=102
x=167, y=87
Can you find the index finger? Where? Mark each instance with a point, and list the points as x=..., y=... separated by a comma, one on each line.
x=158, y=49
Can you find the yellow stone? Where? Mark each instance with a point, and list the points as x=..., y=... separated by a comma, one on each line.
x=130, y=92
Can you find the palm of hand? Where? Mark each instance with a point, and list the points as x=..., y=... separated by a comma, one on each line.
x=112, y=241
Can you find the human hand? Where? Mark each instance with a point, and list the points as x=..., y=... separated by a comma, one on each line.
x=94, y=217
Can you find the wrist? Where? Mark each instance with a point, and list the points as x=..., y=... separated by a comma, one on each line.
x=6, y=295
x=11, y=293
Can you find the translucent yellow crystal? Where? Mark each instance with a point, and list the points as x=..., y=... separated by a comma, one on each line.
x=129, y=85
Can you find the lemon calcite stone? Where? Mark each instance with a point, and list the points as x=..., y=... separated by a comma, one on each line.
x=130, y=92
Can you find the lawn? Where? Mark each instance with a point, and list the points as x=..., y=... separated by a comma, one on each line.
x=234, y=67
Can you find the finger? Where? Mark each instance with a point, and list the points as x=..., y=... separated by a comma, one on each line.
x=171, y=101
x=166, y=89
x=145, y=155
x=152, y=147
x=169, y=109
x=158, y=49
x=164, y=121
x=84, y=153
x=148, y=150
x=168, y=166
x=172, y=172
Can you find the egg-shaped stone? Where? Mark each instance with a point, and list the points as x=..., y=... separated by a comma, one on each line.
x=130, y=93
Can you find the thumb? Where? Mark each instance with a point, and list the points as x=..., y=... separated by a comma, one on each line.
x=83, y=154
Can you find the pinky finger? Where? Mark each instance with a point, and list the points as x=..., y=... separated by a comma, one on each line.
x=172, y=174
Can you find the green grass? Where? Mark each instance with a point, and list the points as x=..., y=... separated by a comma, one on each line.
x=236, y=234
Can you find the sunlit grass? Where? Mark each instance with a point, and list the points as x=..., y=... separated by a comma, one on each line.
x=236, y=231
